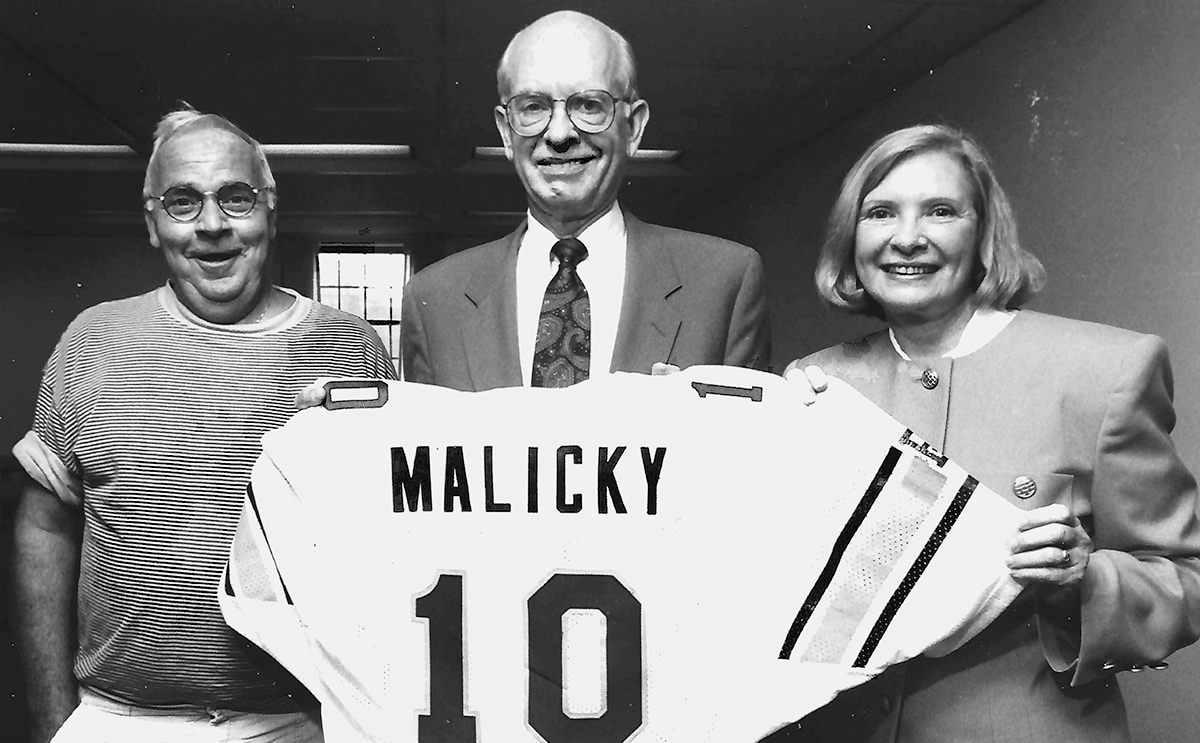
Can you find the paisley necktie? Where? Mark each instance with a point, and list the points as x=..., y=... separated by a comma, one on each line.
x=562, y=355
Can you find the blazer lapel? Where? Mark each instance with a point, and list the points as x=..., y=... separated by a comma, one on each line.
x=490, y=332
x=649, y=323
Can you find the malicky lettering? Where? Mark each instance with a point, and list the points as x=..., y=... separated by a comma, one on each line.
x=413, y=479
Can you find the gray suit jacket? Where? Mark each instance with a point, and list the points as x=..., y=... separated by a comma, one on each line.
x=689, y=299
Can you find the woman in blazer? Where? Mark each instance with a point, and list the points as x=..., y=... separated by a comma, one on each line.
x=1067, y=419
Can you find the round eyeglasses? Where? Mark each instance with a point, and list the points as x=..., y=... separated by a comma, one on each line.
x=184, y=203
x=590, y=111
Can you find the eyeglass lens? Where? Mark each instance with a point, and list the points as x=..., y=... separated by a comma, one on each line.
x=589, y=110
x=185, y=203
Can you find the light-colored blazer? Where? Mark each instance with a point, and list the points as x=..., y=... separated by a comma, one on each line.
x=1084, y=411
x=689, y=299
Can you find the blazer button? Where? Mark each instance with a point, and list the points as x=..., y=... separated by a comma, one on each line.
x=885, y=704
x=1024, y=487
x=1137, y=669
x=929, y=379
x=1162, y=665
x=1108, y=666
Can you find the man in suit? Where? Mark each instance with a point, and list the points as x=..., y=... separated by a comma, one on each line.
x=570, y=118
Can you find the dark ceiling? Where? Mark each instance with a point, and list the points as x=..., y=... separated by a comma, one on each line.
x=733, y=85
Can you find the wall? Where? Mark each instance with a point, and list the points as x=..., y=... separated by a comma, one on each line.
x=45, y=283
x=1091, y=110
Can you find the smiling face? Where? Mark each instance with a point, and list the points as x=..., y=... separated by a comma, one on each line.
x=916, y=245
x=570, y=177
x=218, y=262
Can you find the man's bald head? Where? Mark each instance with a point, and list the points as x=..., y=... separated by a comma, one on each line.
x=188, y=119
x=568, y=27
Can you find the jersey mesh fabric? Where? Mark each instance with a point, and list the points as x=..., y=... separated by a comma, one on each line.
x=764, y=517
x=162, y=419
x=879, y=546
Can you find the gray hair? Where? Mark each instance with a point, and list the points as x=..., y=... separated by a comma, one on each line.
x=189, y=119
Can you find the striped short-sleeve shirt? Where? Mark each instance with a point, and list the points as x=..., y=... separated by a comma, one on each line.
x=161, y=415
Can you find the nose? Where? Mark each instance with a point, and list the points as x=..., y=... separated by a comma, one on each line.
x=211, y=219
x=561, y=133
x=909, y=236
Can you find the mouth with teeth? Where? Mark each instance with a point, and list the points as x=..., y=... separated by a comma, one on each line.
x=909, y=269
x=564, y=165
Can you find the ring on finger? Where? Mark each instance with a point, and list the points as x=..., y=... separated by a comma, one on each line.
x=1065, y=558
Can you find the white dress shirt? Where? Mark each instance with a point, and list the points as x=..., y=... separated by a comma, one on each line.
x=603, y=273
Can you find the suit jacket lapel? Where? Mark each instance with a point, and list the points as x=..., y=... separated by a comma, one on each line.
x=490, y=333
x=649, y=323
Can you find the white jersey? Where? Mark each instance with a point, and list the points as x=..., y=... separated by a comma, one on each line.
x=692, y=557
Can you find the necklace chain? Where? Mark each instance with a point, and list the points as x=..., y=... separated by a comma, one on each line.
x=262, y=314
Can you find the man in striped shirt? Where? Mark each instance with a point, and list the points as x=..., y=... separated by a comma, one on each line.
x=155, y=405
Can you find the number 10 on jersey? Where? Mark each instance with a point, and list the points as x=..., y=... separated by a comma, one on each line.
x=442, y=608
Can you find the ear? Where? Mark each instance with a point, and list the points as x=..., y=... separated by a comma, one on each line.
x=506, y=133
x=151, y=225
x=639, y=116
x=272, y=213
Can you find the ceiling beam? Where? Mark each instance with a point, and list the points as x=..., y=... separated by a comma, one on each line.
x=136, y=143
x=324, y=159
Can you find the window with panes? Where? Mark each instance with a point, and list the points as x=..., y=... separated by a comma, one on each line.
x=366, y=280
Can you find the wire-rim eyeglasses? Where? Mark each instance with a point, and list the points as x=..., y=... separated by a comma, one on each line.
x=185, y=204
x=590, y=111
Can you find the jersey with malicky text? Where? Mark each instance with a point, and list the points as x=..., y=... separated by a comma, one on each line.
x=692, y=557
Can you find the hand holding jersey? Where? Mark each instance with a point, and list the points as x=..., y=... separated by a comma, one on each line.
x=735, y=556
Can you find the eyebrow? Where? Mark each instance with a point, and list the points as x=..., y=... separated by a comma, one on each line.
x=925, y=200
x=549, y=95
x=196, y=187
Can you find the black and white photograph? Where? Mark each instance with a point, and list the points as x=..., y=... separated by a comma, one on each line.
x=480, y=371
